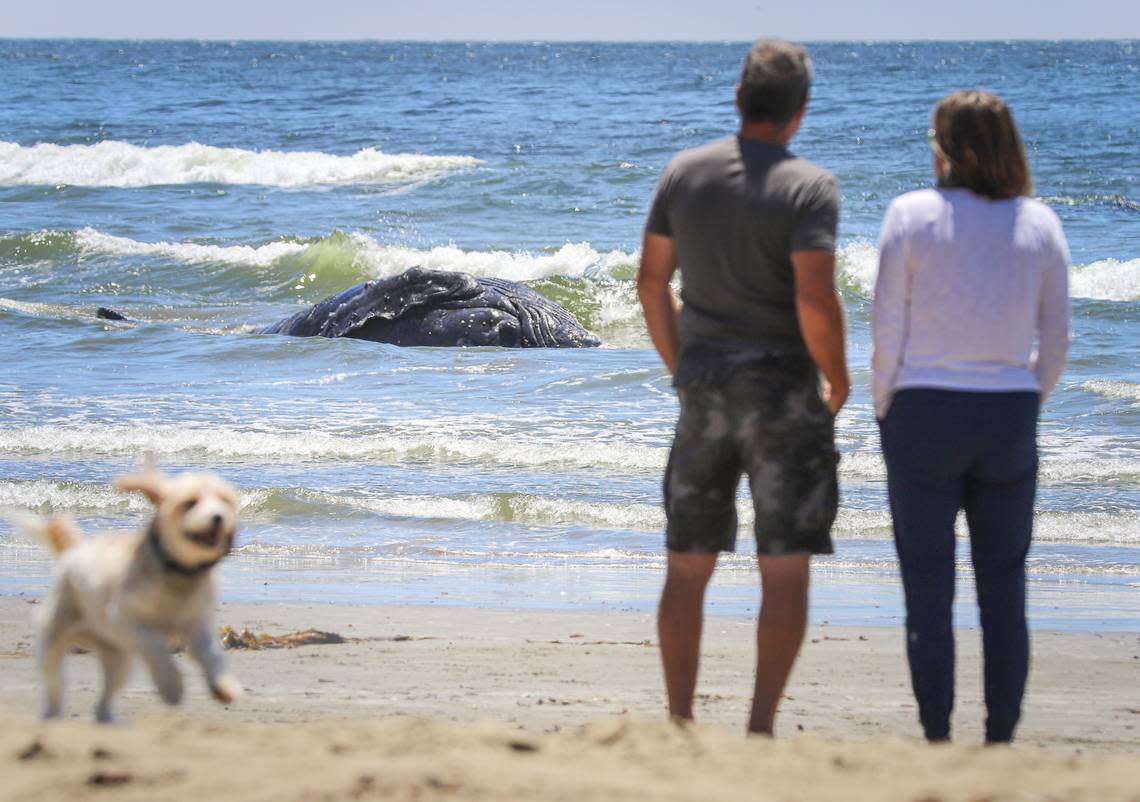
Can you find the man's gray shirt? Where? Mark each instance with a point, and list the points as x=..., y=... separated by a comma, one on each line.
x=736, y=210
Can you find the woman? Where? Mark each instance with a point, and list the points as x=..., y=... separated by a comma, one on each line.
x=971, y=329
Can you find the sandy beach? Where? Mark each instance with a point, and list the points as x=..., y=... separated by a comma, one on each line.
x=443, y=702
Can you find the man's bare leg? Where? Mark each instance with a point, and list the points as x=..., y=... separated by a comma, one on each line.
x=679, y=620
x=779, y=632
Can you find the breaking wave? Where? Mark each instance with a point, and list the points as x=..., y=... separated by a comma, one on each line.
x=359, y=254
x=1118, y=390
x=419, y=441
x=121, y=164
x=281, y=504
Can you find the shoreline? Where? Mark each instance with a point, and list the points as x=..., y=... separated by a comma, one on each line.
x=839, y=596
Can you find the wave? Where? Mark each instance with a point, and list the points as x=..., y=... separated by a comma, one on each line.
x=260, y=505
x=413, y=442
x=1121, y=390
x=88, y=240
x=375, y=260
x=447, y=443
x=121, y=164
x=347, y=254
x=1106, y=280
x=47, y=497
x=1110, y=201
x=53, y=311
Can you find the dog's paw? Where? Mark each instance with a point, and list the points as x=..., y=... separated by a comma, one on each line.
x=109, y=718
x=226, y=689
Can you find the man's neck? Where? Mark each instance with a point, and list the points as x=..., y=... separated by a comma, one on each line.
x=770, y=133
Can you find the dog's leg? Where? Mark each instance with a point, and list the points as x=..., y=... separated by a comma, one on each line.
x=116, y=666
x=51, y=668
x=156, y=652
x=206, y=648
x=54, y=641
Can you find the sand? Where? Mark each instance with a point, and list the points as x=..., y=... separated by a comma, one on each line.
x=457, y=703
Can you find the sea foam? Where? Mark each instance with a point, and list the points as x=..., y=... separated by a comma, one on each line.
x=1121, y=390
x=430, y=442
x=121, y=164
x=1108, y=280
x=272, y=504
x=92, y=241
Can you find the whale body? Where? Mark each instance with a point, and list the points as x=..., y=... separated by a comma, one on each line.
x=440, y=308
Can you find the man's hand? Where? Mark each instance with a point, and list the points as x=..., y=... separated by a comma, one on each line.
x=658, y=263
x=834, y=397
x=821, y=322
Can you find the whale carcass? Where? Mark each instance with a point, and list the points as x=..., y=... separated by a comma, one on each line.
x=439, y=308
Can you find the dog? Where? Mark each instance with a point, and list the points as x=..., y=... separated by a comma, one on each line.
x=139, y=593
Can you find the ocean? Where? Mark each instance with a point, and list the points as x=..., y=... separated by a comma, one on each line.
x=207, y=188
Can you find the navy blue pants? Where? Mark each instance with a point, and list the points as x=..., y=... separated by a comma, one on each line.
x=945, y=451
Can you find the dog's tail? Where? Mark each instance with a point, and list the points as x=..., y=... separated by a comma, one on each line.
x=57, y=533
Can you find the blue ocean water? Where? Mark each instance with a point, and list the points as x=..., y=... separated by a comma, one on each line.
x=206, y=188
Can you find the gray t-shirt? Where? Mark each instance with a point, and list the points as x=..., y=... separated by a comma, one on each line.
x=736, y=210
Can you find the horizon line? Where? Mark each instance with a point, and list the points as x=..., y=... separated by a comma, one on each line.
x=540, y=40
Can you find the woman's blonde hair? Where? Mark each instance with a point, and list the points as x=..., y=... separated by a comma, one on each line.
x=975, y=133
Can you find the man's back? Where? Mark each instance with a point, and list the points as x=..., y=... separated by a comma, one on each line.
x=736, y=209
x=752, y=229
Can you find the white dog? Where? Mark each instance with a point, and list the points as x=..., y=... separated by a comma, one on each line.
x=119, y=595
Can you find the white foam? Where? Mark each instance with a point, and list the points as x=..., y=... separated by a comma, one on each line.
x=47, y=497
x=121, y=164
x=1087, y=527
x=412, y=441
x=94, y=241
x=1107, y=280
x=859, y=266
x=1126, y=391
x=444, y=442
x=572, y=260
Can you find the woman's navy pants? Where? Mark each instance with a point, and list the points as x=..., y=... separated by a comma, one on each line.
x=946, y=451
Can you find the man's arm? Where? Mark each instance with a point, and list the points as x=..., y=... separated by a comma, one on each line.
x=658, y=263
x=821, y=322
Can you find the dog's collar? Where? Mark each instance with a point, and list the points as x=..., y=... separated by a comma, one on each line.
x=170, y=565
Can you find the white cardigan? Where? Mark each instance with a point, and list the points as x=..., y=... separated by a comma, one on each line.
x=972, y=294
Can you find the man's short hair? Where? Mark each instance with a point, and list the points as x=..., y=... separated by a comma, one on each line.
x=775, y=81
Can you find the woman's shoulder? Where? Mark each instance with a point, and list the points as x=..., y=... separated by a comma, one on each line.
x=919, y=200
x=1037, y=223
x=1038, y=212
x=915, y=208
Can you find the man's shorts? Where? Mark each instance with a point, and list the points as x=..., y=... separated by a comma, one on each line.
x=763, y=418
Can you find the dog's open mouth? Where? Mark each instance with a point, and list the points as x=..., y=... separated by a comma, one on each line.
x=207, y=539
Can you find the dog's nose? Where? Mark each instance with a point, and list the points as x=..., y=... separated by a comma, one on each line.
x=216, y=520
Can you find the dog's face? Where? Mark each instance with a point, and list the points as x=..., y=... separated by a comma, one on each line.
x=195, y=514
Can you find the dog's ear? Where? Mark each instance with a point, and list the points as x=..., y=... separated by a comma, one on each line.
x=150, y=483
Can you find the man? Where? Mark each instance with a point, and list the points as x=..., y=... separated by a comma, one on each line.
x=752, y=229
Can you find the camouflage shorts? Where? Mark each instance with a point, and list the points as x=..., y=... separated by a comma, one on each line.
x=765, y=419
